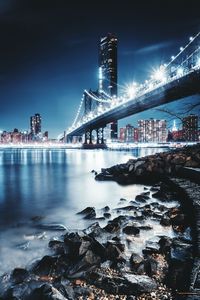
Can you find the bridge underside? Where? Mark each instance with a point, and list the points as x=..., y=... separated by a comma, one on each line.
x=175, y=90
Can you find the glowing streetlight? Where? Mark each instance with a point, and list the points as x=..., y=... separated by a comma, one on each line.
x=159, y=74
x=131, y=90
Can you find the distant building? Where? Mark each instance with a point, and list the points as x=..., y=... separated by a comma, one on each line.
x=152, y=130
x=108, y=72
x=190, y=128
x=45, y=136
x=128, y=134
x=122, y=134
x=14, y=137
x=177, y=135
x=35, y=124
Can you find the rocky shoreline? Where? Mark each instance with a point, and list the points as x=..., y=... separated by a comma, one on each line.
x=101, y=262
x=153, y=168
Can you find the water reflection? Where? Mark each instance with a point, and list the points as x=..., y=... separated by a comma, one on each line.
x=55, y=184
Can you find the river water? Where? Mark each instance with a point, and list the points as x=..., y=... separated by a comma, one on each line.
x=52, y=185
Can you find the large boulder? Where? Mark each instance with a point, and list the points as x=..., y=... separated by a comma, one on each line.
x=46, y=292
x=128, y=284
x=88, y=213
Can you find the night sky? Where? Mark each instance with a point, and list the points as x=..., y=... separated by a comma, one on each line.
x=49, y=52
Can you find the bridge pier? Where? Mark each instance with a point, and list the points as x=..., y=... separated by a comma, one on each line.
x=88, y=137
x=102, y=135
x=98, y=131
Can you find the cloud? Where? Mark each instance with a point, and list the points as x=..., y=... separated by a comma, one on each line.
x=154, y=47
x=147, y=49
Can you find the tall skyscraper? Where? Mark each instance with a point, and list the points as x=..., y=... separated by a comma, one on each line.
x=108, y=71
x=190, y=128
x=35, y=124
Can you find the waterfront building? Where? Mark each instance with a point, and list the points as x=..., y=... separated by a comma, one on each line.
x=190, y=128
x=35, y=124
x=108, y=73
x=128, y=134
x=122, y=134
x=152, y=130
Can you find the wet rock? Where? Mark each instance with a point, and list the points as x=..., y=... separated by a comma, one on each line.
x=107, y=215
x=141, y=198
x=106, y=209
x=151, y=266
x=165, y=221
x=135, y=260
x=114, y=253
x=181, y=250
x=192, y=164
x=88, y=213
x=95, y=172
x=151, y=247
x=77, y=244
x=145, y=227
x=160, y=195
x=99, y=219
x=132, y=230
x=112, y=227
x=178, y=220
x=165, y=244
x=85, y=263
x=58, y=247
x=64, y=287
x=46, y=292
x=128, y=284
x=122, y=200
x=85, y=292
x=94, y=230
x=128, y=208
x=45, y=266
x=18, y=275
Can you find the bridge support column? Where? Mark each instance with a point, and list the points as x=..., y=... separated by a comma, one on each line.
x=102, y=135
x=98, y=135
x=69, y=139
x=90, y=134
x=88, y=137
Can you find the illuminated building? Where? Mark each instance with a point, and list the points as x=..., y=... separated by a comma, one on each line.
x=190, y=128
x=128, y=134
x=152, y=130
x=108, y=72
x=35, y=124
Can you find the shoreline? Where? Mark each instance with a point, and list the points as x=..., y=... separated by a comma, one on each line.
x=92, y=262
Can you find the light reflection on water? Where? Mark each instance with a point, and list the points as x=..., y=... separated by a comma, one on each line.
x=54, y=184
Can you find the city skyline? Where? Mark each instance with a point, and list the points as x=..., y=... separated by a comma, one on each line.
x=49, y=53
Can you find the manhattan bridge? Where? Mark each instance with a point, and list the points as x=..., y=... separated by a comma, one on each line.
x=174, y=80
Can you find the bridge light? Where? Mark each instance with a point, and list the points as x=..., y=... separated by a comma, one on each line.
x=172, y=57
x=191, y=38
x=131, y=90
x=180, y=71
x=181, y=49
x=159, y=75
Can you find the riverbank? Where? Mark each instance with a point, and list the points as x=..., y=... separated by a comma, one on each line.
x=105, y=262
